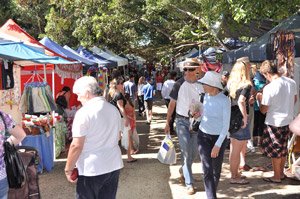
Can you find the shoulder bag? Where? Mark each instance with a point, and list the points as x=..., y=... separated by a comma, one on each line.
x=236, y=119
x=15, y=170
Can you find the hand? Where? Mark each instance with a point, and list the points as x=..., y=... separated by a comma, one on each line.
x=196, y=115
x=68, y=176
x=251, y=100
x=259, y=97
x=167, y=128
x=215, y=152
x=245, y=121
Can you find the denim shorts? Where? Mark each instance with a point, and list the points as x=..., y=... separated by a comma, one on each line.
x=242, y=134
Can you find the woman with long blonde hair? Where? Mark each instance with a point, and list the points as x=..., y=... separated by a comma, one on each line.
x=239, y=85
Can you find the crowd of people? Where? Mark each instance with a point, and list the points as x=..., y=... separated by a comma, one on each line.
x=199, y=105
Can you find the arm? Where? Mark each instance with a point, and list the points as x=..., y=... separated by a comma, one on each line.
x=263, y=108
x=171, y=109
x=73, y=155
x=17, y=135
x=242, y=107
x=224, y=132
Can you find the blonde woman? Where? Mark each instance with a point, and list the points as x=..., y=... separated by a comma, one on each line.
x=116, y=96
x=239, y=85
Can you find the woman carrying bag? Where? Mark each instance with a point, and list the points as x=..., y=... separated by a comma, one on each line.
x=17, y=134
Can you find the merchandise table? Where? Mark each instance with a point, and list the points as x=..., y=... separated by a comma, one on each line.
x=44, y=144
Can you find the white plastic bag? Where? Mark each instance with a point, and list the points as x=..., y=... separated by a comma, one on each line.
x=167, y=153
x=135, y=138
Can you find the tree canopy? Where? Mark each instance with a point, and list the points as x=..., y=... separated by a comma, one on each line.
x=153, y=29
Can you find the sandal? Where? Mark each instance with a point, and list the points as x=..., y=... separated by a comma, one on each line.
x=131, y=161
x=239, y=181
x=270, y=180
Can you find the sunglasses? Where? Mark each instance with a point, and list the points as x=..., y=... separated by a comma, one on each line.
x=189, y=69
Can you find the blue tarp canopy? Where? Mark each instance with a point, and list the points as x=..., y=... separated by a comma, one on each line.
x=257, y=51
x=100, y=60
x=62, y=51
x=74, y=52
x=25, y=55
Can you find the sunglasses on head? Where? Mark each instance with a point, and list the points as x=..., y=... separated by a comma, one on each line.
x=189, y=69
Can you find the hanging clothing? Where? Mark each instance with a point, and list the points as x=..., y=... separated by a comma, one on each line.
x=7, y=75
x=37, y=98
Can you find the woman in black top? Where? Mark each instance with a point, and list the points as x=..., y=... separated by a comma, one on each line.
x=116, y=97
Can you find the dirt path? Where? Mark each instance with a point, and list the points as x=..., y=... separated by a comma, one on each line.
x=149, y=179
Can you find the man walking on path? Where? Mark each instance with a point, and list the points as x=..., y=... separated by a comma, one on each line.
x=149, y=92
x=185, y=92
x=165, y=93
x=277, y=101
x=94, y=148
x=130, y=87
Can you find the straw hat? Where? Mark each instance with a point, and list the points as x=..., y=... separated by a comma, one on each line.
x=191, y=63
x=212, y=78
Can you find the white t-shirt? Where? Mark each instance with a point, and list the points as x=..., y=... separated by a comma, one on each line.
x=279, y=96
x=100, y=123
x=167, y=87
x=185, y=94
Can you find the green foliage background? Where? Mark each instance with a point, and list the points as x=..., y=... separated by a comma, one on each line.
x=153, y=29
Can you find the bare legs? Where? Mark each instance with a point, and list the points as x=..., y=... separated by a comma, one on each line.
x=236, y=148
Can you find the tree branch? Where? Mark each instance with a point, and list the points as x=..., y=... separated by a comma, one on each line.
x=211, y=32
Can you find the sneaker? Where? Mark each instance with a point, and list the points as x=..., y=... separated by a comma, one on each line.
x=190, y=190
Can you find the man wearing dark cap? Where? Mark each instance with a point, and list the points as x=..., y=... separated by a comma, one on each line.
x=185, y=93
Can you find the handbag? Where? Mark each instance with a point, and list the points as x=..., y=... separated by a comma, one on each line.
x=236, y=119
x=167, y=153
x=15, y=169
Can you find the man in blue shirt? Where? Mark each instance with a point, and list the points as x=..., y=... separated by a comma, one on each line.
x=149, y=92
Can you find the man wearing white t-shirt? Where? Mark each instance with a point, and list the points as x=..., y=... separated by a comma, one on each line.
x=186, y=92
x=277, y=101
x=94, y=149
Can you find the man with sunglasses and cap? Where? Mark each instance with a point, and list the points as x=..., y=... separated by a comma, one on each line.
x=185, y=92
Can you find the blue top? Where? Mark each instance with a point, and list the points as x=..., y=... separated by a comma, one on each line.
x=148, y=91
x=216, y=116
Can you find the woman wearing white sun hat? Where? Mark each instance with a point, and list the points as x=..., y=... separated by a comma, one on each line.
x=213, y=130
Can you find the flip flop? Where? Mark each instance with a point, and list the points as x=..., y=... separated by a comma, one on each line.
x=271, y=181
x=131, y=161
x=239, y=181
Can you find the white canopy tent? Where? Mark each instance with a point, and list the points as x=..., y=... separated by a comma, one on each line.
x=101, y=53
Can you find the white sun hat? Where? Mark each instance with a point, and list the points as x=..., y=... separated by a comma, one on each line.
x=212, y=78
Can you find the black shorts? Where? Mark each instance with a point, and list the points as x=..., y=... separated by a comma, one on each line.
x=148, y=104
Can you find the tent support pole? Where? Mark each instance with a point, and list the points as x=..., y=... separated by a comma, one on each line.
x=53, y=115
x=45, y=73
